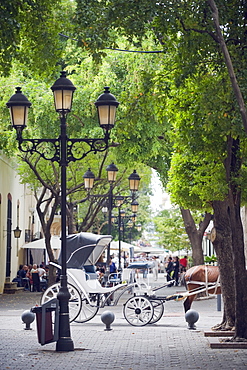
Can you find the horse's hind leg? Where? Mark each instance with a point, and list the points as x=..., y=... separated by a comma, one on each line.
x=188, y=302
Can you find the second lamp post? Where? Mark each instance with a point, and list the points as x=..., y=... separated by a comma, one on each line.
x=114, y=201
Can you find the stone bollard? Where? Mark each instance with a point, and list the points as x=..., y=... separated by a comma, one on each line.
x=191, y=317
x=27, y=318
x=107, y=318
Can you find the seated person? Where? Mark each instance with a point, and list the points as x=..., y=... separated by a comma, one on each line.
x=23, y=273
x=17, y=279
x=42, y=276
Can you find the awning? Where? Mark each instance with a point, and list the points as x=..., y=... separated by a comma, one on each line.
x=153, y=250
x=125, y=247
x=40, y=244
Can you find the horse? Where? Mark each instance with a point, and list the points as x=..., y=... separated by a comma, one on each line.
x=201, y=278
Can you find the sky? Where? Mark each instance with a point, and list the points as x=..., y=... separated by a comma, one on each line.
x=160, y=199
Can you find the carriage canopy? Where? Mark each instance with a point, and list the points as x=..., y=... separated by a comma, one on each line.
x=84, y=249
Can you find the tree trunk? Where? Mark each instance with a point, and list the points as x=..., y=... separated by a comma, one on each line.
x=195, y=236
x=229, y=244
x=72, y=217
x=52, y=269
x=223, y=248
x=239, y=270
x=233, y=166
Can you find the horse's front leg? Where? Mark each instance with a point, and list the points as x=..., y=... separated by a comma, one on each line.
x=188, y=302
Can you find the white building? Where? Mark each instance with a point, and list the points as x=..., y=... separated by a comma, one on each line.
x=17, y=207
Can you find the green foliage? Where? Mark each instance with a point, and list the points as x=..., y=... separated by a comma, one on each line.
x=29, y=34
x=203, y=115
x=181, y=96
x=210, y=260
x=171, y=231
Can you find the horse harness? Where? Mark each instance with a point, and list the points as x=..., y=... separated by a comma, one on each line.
x=208, y=285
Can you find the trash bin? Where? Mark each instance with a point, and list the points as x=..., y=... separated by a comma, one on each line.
x=47, y=330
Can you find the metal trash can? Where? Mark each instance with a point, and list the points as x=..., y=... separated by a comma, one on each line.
x=47, y=330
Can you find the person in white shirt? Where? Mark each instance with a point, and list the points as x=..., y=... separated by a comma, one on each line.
x=42, y=272
x=155, y=268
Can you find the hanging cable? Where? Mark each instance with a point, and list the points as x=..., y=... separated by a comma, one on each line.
x=127, y=51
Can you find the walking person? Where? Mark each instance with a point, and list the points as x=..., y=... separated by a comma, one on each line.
x=176, y=266
x=155, y=268
x=169, y=269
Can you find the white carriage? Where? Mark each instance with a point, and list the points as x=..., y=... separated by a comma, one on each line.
x=87, y=295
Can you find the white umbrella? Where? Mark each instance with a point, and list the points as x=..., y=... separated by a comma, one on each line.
x=153, y=250
x=124, y=246
x=40, y=243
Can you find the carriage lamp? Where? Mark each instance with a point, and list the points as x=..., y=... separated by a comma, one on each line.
x=63, y=152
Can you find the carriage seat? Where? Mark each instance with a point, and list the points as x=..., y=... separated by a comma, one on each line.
x=77, y=277
x=90, y=272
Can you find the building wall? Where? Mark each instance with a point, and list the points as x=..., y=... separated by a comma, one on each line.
x=17, y=193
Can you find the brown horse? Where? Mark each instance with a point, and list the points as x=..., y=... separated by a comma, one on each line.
x=198, y=278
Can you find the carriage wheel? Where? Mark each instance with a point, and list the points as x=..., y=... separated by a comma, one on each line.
x=138, y=311
x=87, y=311
x=74, y=301
x=158, y=307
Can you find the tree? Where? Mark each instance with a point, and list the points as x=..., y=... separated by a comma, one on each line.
x=29, y=34
x=196, y=234
x=170, y=229
x=44, y=123
x=206, y=172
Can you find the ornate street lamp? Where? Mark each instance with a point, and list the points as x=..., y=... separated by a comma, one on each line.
x=139, y=227
x=89, y=178
x=17, y=232
x=134, y=206
x=134, y=180
x=62, y=153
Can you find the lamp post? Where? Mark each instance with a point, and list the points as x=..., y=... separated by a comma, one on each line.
x=114, y=201
x=62, y=153
x=111, y=175
x=121, y=217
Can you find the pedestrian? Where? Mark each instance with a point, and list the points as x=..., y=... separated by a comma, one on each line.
x=113, y=268
x=169, y=269
x=155, y=268
x=176, y=266
x=183, y=264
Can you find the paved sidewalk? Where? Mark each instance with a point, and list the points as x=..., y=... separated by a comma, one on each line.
x=168, y=344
